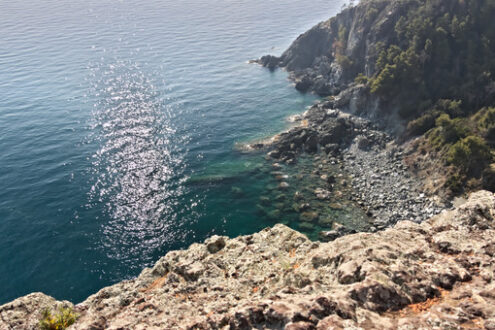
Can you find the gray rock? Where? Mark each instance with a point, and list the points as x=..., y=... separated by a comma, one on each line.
x=437, y=272
x=215, y=243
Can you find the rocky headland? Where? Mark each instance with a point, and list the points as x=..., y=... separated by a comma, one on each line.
x=438, y=274
x=399, y=118
x=319, y=59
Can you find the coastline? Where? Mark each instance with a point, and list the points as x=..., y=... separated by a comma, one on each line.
x=365, y=164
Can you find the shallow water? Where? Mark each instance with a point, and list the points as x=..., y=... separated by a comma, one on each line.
x=118, y=121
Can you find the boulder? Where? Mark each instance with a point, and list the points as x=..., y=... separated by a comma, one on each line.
x=308, y=216
x=269, y=61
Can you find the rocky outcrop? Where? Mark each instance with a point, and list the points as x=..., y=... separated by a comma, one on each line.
x=354, y=34
x=321, y=128
x=327, y=58
x=26, y=312
x=405, y=63
x=438, y=274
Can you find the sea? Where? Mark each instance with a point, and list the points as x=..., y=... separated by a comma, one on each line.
x=120, y=127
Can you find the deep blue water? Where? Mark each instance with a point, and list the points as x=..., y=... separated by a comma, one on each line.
x=118, y=121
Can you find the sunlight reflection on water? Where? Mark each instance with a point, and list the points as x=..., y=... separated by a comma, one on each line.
x=91, y=93
x=137, y=169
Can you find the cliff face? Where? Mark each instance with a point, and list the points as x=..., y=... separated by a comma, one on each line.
x=317, y=58
x=406, y=54
x=435, y=274
x=327, y=58
x=421, y=68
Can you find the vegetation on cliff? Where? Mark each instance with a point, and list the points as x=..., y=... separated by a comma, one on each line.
x=439, y=50
x=440, y=70
x=60, y=320
x=430, y=62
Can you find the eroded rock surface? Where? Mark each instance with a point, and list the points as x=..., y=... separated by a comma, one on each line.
x=26, y=312
x=437, y=274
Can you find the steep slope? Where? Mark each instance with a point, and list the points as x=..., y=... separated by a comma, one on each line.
x=320, y=59
x=433, y=44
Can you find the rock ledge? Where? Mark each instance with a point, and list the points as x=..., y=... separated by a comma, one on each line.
x=437, y=274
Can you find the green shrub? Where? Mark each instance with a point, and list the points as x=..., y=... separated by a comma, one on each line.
x=361, y=79
x=455, y=183
x=345, y=62
x=452, y=130
x=471, y=154
x=384, y=83
x=422, y=124
x=397, y=73
x=489, y=136
x=450, y=107
x=61, y=320
x=371, y=14
x=441, y=49
x=486, y=118
x=488, y=178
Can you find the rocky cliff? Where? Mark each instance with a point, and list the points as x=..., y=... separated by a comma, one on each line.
x=319, y=58
x=421, y=68
x=438, y=274
x=433, y=274
x=327, y=58
x=398, y=56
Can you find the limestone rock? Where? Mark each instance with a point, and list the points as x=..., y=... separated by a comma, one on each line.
x=437, y=274
x=215, y=243
x=26, y=312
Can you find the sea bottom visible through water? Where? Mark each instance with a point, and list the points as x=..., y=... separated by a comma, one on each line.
x=309, y=196
x=118, y=127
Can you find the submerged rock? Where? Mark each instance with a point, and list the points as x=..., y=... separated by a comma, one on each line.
x=274, y=214
x=308, y=216
x=300, y=207
x=265, y=200
x=306, y=226
x=322, y=194
x=237, y=191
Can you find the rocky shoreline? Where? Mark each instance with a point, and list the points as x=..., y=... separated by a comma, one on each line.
x=385, y=186
x=435, y=275
x=352, y=128
x=372, y=172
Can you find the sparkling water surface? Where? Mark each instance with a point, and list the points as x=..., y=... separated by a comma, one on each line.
x=118, y=121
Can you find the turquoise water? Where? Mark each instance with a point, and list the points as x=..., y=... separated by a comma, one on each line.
x=118, y=121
